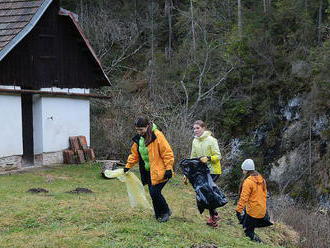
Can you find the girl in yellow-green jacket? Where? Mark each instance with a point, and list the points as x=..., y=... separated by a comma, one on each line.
x=206, y=147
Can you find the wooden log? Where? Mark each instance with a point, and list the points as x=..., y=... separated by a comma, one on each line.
x=89, y=154
x=69, y=157
x=80, y=156
x=82, y=142
x=74, y=143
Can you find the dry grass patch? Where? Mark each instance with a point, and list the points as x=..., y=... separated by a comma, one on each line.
x=104, y=218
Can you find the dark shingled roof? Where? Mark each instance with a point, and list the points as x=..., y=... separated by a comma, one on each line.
x=18, y=18
x=15, y=15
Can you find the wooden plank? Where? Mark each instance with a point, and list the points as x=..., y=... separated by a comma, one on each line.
x=82, y=142
x=80, y=156
x=69, y=157
x=74, y=143
x=89, y=154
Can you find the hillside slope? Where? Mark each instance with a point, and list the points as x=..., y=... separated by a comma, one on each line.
x=104, y=218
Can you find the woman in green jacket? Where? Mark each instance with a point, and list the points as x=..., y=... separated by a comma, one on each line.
x=205, y=147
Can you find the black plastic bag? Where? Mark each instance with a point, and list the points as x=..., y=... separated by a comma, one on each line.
x=249, y=221
x=208, y=194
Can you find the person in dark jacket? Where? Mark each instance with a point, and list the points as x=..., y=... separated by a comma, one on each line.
x=251, y=208
x=155, y=157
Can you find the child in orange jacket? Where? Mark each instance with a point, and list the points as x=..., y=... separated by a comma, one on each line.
x=252, y=201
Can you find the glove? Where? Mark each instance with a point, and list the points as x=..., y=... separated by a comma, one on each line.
x=205, y=159
x=168, y=174
x=239, y=217
x=126, y=169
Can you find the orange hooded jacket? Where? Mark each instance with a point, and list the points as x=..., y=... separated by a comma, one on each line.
x=161, y=157
x=253, y=196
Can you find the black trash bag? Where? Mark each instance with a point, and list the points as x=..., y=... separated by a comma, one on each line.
x=208, y=194
x=249, y=221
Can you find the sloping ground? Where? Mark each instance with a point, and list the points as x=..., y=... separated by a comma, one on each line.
x=104, y=218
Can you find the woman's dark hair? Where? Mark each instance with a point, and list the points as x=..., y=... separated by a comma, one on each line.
x=250, y=173
x=144, y=122
x=141, y=122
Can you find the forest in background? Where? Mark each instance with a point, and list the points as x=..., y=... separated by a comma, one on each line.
x=257, y=72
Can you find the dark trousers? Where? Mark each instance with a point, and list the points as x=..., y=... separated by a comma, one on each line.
x=215, y=177
x=249, y=232
x=158, y=200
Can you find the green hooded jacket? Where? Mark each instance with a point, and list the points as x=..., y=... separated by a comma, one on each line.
x=143, y=150
x=207, y=145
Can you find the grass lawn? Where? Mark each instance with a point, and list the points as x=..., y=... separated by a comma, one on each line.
x=105, y=219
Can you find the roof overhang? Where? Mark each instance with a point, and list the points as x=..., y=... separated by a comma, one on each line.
x=51, y=93
x=41, y=10
x=34, y=20
x=74, y=18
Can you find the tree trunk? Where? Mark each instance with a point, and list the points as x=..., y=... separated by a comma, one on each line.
x=168, y=9
x=265, y=6
x=239, y=15
x=152, y=44
x=192, y=25
x=135, y=11
x=319, y=23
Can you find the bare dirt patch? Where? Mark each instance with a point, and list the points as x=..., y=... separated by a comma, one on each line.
x=80, y=191
x=37, y=190
x=204, y=246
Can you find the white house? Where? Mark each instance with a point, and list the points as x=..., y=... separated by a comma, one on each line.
x=47, y=68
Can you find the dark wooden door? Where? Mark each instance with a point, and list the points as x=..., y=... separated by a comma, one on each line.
x=27, y=119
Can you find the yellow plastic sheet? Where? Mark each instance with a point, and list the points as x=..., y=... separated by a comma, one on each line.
x=135, y=189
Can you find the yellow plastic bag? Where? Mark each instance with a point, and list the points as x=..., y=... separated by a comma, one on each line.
x=135, y=189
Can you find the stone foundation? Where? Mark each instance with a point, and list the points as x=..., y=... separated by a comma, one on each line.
x=10, y=163
x=48, y=158
x=16, y=162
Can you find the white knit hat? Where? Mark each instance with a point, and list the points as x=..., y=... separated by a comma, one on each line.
x=248, y=165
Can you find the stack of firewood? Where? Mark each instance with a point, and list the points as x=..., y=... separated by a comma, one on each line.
x=79, y=152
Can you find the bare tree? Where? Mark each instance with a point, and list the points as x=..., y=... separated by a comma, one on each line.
x=116, y=41
x=265, y=6
x=168, y=12
x=239, y=19
x=192, y=25
x=152, y=48
x=319, y=23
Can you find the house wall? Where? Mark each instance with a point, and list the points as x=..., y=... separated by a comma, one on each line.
x=37, y=124
x=45, y=107
x=11, y=126
x=61, y=118
x=55, y=119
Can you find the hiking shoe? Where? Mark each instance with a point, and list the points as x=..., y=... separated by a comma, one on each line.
x=164, y=217
x=216, y=217
x=211, y=222
x=256, y=238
